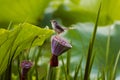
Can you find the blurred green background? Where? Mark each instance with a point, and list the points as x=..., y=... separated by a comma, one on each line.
x=68, y=12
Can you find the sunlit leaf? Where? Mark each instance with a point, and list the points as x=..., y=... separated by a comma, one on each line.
x=31, y=11
x=18, y=39
x=86, y=11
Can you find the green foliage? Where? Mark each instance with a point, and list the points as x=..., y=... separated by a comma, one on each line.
x=21, y=37
x=70, y=11
x=18, y=11
x=24, y=40
x=86, y=11
x=90, y=59
x=80, y=39
x=113, y=74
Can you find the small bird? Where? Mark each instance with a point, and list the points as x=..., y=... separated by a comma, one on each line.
x=58, y=29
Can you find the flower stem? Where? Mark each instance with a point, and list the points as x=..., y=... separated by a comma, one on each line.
x=54, y=61
x=52, y=73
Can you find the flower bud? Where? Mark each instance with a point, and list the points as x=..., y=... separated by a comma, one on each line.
x=25, y=65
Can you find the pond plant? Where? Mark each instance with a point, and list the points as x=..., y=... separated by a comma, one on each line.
x=59, y=40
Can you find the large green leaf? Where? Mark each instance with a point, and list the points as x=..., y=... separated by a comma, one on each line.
x=86, y=11
x=31, y=11
x=21, y=37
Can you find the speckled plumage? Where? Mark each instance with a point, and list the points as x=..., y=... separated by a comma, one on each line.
x=58, y=29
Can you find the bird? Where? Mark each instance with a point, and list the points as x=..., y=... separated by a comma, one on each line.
x=57, y=27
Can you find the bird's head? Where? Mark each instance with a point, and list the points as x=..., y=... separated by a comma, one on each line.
x=53, y=21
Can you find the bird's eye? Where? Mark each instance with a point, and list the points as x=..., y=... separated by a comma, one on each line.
x=55, y=22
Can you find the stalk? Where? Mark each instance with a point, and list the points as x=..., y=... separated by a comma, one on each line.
x=89, y=56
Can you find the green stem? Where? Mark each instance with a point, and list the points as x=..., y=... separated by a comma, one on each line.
x=88, y=64
x=107, y=52
x=50, y=73
x=66, y=78
x=68, y=64
x=36, y=61
x=18, y=65
x=36, y=71
x=115, y=66
x=78, y=69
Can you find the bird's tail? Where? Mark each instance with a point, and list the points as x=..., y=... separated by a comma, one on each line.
x=69, y=28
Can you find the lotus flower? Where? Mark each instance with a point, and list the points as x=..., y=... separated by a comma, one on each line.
x=25, y=65
x=58, y=46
